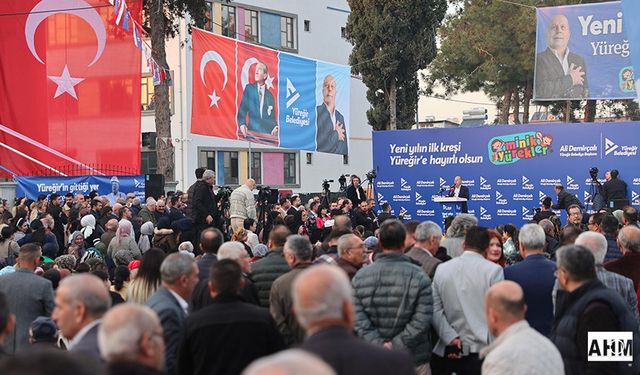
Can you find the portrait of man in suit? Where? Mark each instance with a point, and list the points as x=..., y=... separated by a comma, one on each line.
x=459, y=191
x=560, y=73
x=331, y=134
x=257, y=111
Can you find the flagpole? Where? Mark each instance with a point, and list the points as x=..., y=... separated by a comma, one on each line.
x=250, y=161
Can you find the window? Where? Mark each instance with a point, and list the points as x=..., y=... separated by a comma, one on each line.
x=256, y=167
x=307, y=25
x=287, y=39
x=147, y=92
x=208, y=159
x=149, y=162
x=251, y=25
x=228, y=21
x=230, y=167
x=208, y=13
x=345, y=159
x=309, y=158
x=290, y=169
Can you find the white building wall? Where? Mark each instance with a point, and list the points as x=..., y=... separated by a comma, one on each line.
x=322, y=42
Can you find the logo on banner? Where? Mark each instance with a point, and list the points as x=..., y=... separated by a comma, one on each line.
x=381, y=199
x=404, y=214
x=634, y=198
x=508, y=149
x=612, y=147
x=426, y=213
x=526, y=183
x=443, y=182
x=402, y=198
x=500, y=198
x=480, y=197
x=484, y=214
x=138, y=184
x=507, y=212
x=636, y=181
x=587, y=196
x=541, y=196
x=610, y=346
x=571, y=184
x=627, y=82
x=549, y=182
x=522, y=197
x=483, y=184
x=292, y=93
x=385, y=184
x=526, y=214
x=404, y=185
x=425, y=183
x=419, y=200
x=507, y=182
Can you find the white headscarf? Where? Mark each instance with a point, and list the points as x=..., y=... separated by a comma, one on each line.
x=146, y=230
x=88, y=223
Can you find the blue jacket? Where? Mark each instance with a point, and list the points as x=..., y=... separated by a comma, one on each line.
x=535, y=275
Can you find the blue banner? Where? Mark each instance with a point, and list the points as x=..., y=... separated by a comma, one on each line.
x=508, y=169
x=582, y=52
x=633, y=31
x=113, y=187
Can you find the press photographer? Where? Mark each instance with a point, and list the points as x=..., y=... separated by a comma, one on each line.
x=614, y=188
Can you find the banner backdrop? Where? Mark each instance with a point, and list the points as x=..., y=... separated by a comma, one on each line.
x=113, y=187
x=633, y=31
x=69, y=88
x=582, y=52
x=508, y=169
x=244, y=91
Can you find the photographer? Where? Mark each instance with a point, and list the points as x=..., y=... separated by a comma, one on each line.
x=545, y=211
x=355, y=193
x=565, y=199
x=614, y=188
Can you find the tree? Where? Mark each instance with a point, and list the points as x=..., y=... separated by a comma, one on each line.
x=392, y=40
x=161, y=20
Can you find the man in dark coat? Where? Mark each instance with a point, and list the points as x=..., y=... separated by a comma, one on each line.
x=204, y=210
x=226, y=336
x=355, y=193
x=614, y=188
x=268, y=269
x=629, y=264
x=460, y=191
x=565, y=199
x=332, y=132
x=330, y=334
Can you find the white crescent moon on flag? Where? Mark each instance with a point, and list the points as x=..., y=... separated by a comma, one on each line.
x=244, y=77
x=47, y=8
x=215, y=57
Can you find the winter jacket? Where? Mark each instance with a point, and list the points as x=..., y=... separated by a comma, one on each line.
x=265, y=271
x=165, y=240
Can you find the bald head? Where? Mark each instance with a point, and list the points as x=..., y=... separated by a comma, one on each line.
x=112, y=225
x=289, y=362
x=594, y=242
x=322, y=296
x=251, y=184
x=504, y=306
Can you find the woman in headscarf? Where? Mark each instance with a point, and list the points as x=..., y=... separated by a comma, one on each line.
x=89, y=230
x=146, y=233
x=124, y=241
x=76, y=244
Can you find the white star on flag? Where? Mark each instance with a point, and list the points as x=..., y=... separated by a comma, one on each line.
x=269, y=81
x=66, y=83
x=214, y=99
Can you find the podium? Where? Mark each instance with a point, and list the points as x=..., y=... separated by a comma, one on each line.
x=450, y=206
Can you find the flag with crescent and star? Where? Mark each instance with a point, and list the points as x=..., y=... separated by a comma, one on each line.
x=69, y=88
x=214, y=86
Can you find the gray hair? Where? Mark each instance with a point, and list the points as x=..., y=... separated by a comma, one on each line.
x=547, y=226
x=289, y=362
x=345, y=242
x=88, y=290
x=121, y=330
x=426, y=230
x=577, y=261
x=231, y=250
x=594, y=242
x=208, y=173
x=324, y=301
x=299, y=246
x=186, y=246
x=629, y=238
x=460, y=224
x=532, y=237
x=174, y=266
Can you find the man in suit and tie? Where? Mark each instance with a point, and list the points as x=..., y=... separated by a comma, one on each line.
x=179, y=274
x=459, y=191
x=29, y=296
x=331, y=134
x=324, y=306
x=205, y=208
x=81, y=301
x=535, y=274
x=428, y=235
x=258, y=105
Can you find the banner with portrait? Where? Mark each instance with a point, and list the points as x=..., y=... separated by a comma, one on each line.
x=248, y=92
x=582, y=52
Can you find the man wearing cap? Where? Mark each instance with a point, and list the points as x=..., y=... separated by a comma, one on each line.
x=115, y=191
x=43, y=333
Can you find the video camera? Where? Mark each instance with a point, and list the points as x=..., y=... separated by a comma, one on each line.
x=593, y=172
x=325, y=184
x=371, y=175
x=267, y=195
x=224, y=192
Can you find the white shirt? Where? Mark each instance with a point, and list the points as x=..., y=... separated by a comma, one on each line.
x=76, y=339
x=563, y=60
x=456, y=191
x=332, y=115
x=183, y=304
x=261, y=98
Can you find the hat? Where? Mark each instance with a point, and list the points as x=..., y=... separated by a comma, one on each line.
x=371, y=242
x=114, y=179
x=133, y=265
x=44, y=329
x=260, y=250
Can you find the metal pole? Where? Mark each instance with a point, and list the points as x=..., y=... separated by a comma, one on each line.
x=250, y=160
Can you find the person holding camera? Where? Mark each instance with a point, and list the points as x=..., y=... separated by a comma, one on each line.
x=614, y=188
x=355, y=193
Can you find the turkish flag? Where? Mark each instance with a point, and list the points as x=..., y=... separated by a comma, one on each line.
x=214, y=85
x=69, y=89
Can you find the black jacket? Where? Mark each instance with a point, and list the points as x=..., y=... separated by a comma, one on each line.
x=614, y=189
x=565, y=199
x=353, y=196
x=362, y=218
x=349, y=355
x=204, y=204
x=225, y=337
x=464, y=193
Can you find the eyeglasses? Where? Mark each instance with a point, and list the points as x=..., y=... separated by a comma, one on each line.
x=555, y=272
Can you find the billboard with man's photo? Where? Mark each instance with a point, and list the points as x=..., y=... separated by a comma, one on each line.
x=582, y=52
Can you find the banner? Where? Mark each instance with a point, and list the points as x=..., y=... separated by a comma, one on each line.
x=633, y=31
x=508, y=169
x=582, y=52
x=113, y=187
x=244, y=91
x=69, y=88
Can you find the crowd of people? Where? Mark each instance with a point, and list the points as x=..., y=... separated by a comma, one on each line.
x=185, y=284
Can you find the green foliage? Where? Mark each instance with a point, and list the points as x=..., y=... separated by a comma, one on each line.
x=174, y=11
x=392, y=40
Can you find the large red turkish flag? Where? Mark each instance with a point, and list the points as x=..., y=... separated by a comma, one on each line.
x=214, y=85
x=69, y=88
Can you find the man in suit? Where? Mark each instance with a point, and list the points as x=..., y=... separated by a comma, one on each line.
x=205, y=209
x=355, y=193
x=179, y=274
x=460, y=191
x=229, y=334
x=559, y=72
x=428, y=235
x=459, y=286
x=613, y=188
x=535, y=275
x=629, y=264
x=29, y=296
x=324, y=306
x=331, y=135
x=258, y=105
x=210, y=241
x=81, y=301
